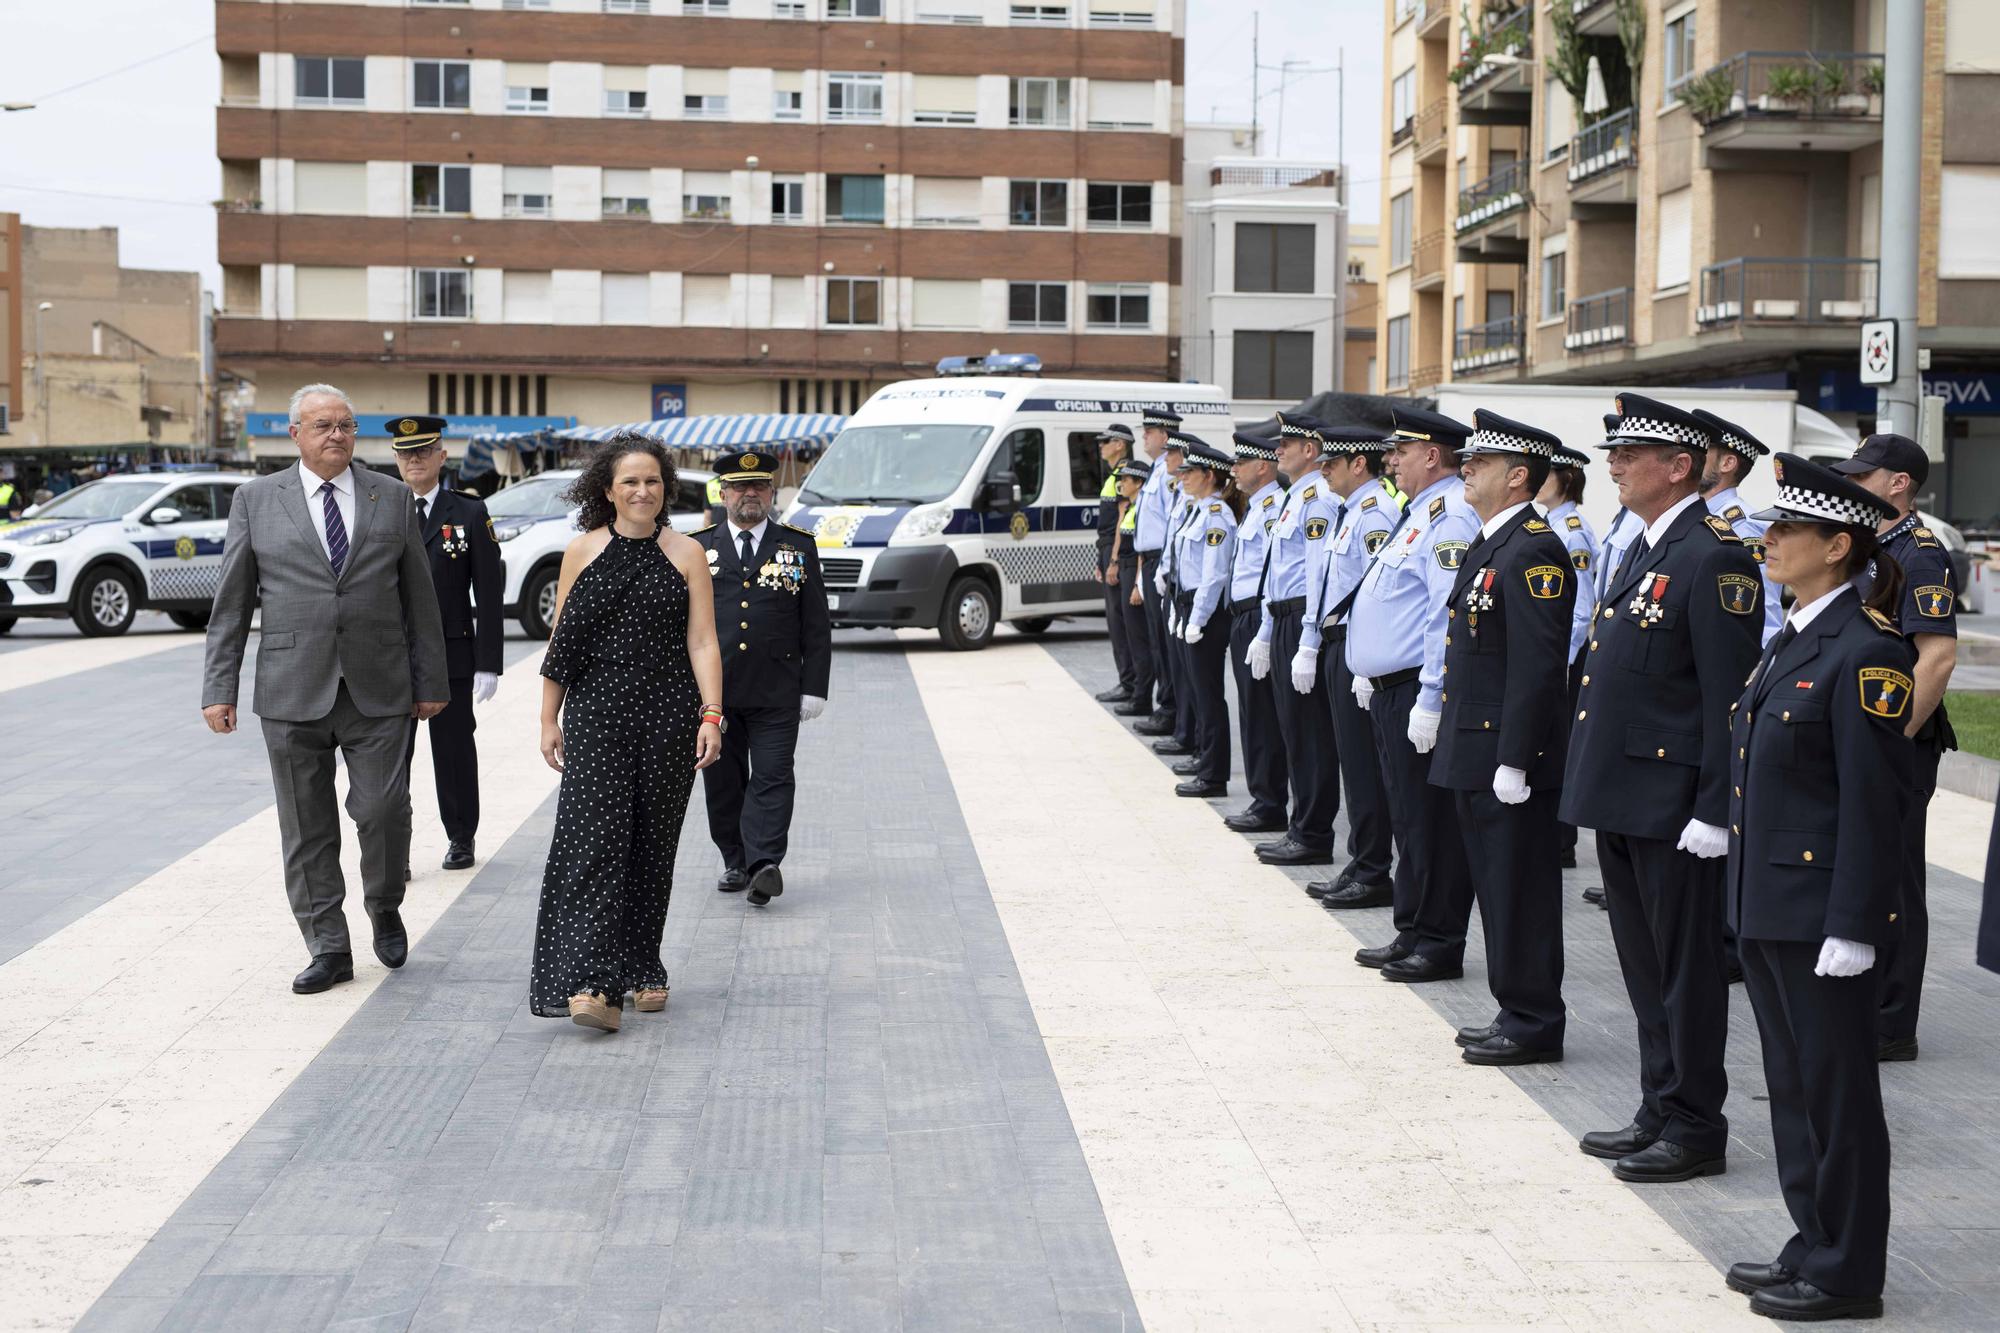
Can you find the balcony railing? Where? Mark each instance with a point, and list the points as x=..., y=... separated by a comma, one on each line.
x=1425, y=377
x=1401, y=134
x=1483, y=346
x=1429, y=257
x=1274, y=177
x=1407, y=10
x=1603, y=320
x=1511, y=35
x=1608, y=145
x=1787, y=85
x=1499, y=194
x=1430, y=128
x=1787, y=291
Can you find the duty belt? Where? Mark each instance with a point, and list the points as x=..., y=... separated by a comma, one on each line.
x=1394, y=678
x=1245, y=605
x=1288, y=606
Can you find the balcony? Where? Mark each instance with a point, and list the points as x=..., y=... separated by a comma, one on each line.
x=1425, y=377
x=1784, y=102
x=1430, y=136
x=1492, y=221
x=1433, y=19
x=1603, y=167
x=1482, y=347
x=1274, y=177
x=1427, y=271
x=1791, y=292
x=1600, y=321
x=1495, y=72
x=1595, y=18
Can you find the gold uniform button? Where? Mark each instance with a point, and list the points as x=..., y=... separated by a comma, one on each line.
x=1444, y=698
x=1737, y=831
x=746, y=606
x=1892, y=916
x=1739, y=791
x=1659, y=754
x=1586, y=680
x=742, y=647
x=1786, y=715
x=1486, y=726
x=1593, y=645
x=1739, y=752
x=1608, y=613
x=743, y=624
x=1808, y=856
x=1451, y=614
x=1582, y=714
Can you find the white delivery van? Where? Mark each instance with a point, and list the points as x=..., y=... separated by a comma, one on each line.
x=960, y=502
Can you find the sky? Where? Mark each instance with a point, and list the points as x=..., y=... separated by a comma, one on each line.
x=124, y=131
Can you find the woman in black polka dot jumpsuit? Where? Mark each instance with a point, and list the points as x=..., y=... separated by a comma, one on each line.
x=634, y=673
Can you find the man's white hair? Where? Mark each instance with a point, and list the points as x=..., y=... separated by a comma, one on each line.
x=299, y=395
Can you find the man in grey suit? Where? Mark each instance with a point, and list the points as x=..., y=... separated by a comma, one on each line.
x=352, y=648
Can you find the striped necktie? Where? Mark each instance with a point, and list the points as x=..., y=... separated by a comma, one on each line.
x=336, y=531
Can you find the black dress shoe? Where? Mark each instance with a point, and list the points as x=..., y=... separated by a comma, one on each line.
x=1569, y=858
x=1253, y=821
x=1289, y=853
x=1187, y=767
x=1800, y=1299
x=1595, y=897
x=1196, y=787
x=1617, y=1143
x=326, y=971
x=1117, y=694
x=1499, y=1050
x=1752, y=1278
x=1358, y=895
x=765, y=885
x=1473, y=1036
x=1318, y=889
x=1154, y=726
x=1891, y=1050
x=734, y=880
x=1664, y=1163
x=458, y=856
x=392, y=941
x=1133, y=708
x=1170, y=746
x=1419, y=968
x=1382, y=955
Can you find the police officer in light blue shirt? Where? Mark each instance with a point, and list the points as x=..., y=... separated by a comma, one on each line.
x=1204, y=547
x=1175, y=726
x=1562, y=500
x=1156, y=497
x=1395, y=647
x=1720, y=479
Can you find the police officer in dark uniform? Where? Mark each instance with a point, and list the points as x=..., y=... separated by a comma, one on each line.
x=1893, y=468
x=1676, y=633
x=777, y=659
x=1129, y=606
x=1114, y=446
x=1503, y=734
x=1820, y=781
x=465, y=567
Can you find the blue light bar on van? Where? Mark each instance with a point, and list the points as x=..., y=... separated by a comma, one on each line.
x=1000, y=363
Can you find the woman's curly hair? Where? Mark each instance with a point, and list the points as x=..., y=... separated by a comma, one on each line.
x=587, y=491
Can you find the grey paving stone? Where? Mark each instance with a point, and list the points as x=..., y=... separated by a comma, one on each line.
x=953, y=1296
x=388, y=1286
x=218, y=1303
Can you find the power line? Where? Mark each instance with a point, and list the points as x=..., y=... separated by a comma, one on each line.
x=125, y=69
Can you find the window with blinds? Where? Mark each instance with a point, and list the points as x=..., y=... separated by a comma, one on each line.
x=1676, y=238
x=1121, y=13
x=329, y=293
x=626, y=298
x=947, y=201
x=330, y=187
x=945, y=303
x=525, y=298
x=945, y=99
x=1116, y=105
x=527, y=192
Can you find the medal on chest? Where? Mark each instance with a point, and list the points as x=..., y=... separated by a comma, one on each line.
x=785, y=571
x=1480, y=599
x=1646, y=605
x=451, y=539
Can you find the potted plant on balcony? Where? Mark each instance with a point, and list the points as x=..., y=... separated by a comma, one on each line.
x=1713, y=95
x=1871, y=84
x=1471, y=59
x=1788, y=89
x=1830, y=87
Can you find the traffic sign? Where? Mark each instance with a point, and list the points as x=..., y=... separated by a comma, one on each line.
x=1878, y=351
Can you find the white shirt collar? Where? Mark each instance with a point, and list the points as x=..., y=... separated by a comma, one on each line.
x=1658, y=528
x=429, y=497
x=1803, y=616
x=756, y=534
x=1494, y=524
x=343, y=481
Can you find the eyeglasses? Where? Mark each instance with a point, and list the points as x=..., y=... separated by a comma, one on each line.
x=346, y=426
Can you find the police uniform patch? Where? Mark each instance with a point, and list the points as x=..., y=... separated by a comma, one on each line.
x=1215, y=508
x=1581, y=559
x=1315, y=529
x=1017, y=526
x=1925, y=537
x=1545, y=582
x=1884, y=692
x=1374, y=541
x=1755, y=546
x=1738, y=593
x=1449, y=555
x=1369, y=503
x=1933, y=601
x=1720, y=527
x=1311, y=492
x=1216, y=536
x=1535, y=525
x=1733, y=513
x=1270, y=500
x=1437, y=507
x=1573, y=523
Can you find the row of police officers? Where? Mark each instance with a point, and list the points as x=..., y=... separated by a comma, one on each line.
x=1428, y=622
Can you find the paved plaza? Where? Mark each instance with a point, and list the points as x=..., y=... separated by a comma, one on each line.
x=1029, y=1043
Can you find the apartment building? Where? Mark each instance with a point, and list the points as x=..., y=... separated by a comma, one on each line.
x=518, y=212
x=1716, y=223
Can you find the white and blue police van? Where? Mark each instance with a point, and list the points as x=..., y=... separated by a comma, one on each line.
x=111, y=548
x=965, y=501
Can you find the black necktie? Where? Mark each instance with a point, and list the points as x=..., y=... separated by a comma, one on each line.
x=748, y=555
x=423, y=511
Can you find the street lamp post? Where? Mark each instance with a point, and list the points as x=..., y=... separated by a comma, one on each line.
x=41, y=371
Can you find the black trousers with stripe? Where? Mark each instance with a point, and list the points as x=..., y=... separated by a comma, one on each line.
x=1312, y=750
x=1256, y=716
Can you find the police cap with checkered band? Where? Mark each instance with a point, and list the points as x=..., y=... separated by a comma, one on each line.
x=1495, y=434
x=1643, y=420
x=1200, y=453
x=1809, y=493
x=1732, y=437
x=1349, y=442
x=1251, y=448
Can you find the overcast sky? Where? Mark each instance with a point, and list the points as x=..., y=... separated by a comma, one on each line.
x=134, y=147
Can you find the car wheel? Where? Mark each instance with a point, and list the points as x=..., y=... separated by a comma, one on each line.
x=1037, y=625
x=968, y=620
x=7, y=623
x=538, y=602
x=189, y=619
x=104, y=602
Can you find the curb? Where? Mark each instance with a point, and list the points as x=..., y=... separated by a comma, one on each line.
x=1969, y=775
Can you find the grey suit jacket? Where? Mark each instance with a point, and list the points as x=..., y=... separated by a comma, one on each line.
x=377, y=627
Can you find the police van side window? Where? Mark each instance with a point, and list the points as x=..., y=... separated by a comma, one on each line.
x=1086, y=465
x=1021, y=454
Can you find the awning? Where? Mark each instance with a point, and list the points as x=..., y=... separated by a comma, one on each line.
x=719, y=432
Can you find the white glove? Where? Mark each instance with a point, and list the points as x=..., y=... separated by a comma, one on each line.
x=1706, y=841
x=1423, y=729
x=1160, y=580
x=1190, y=634
x=1363, y=692
x=810, y=707
x=1258, y=659
x=1843, y=958
x=1173, y=624
x=1510, y=785
x=484, y=685
x=1305, y=669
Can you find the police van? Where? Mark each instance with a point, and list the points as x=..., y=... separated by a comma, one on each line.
x=103, y=552
x=965, y=501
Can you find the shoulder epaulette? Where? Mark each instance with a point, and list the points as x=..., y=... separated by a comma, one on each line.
x=1215, y=507
x=1437, y=507
x=803, y=532
x=1369, y=503
x=1882, y=622
x=1269, y=500
x=1720, y=527
x=1733, y=513
x=698, y=531
x=1573, y=522
x=469, y=494
x=1925, y=537
x=1311, y=491
x=1535, y=525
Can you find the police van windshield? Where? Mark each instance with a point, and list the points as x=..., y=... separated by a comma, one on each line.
x=894, y=464
x=99, y=499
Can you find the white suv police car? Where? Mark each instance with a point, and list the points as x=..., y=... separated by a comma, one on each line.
x=534, y=523
x=107, y=550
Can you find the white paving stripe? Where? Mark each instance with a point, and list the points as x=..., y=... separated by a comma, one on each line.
x=139, y=1043
x=1280, y=1139
x=66, y=657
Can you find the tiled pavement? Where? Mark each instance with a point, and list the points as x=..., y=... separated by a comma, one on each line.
x=1943, y=1110
x=846, y=1119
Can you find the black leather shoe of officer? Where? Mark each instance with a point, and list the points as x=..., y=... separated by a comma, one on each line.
x=1318, y=889
x=1419, y=968
x=1187, y=767
x=1499, y=1050
x=1617, y=1143
x=1133, y=708
x=1253, y=821
x=458, y=856
x=326, y=971
x=1382, y=954
x=1357, y=895
x=1117, y=694
x=1156, y=725
x=1753, y=1278
x=392, y=941
x=1170, y=746
x=1289, y=853
x=1800, y=1299
x=765, y=884
x=734, y=880
x=1196, y=787
x=1895, y=1049
x=1473, y=1036
x=1594, y=896
x=1664, y=1163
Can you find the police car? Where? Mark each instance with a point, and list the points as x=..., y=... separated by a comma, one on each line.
x=534, y=523
x=969, y=500
x=107, y=550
